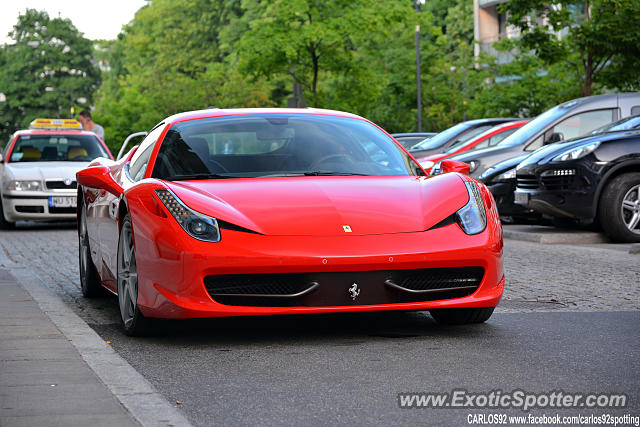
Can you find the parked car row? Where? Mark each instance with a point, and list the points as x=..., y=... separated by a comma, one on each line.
x=577, y=161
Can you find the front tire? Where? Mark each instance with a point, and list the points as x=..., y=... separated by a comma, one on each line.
x=619, y=208
x=89, y=283
x=4, y=224
x=133, y=322
x=461, y=316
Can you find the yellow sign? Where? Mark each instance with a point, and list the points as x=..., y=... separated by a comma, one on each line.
x=55, y=124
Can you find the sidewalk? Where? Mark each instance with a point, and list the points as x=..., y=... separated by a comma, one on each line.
x=43, y=378
x=57, y=371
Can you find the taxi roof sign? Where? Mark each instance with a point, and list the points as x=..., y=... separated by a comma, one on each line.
x=55, y=124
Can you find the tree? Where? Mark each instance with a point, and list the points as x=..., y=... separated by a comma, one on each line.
x=45, y=72
x=596, y=37
x=306, y=38
x=169, y=60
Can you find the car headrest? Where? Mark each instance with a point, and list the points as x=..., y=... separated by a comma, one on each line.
x=76, y=152
x=31, y=153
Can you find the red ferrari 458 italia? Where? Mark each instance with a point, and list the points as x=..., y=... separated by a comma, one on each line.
x=284, y=211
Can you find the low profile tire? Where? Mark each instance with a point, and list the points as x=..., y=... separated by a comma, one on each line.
x=461, y=316
x=89, y=283
x=619, y=208
x=4, y=224
x=133, y=322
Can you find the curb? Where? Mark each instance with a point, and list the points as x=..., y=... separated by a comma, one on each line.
x=550, y=236
x=145, y=404
x=635, y=248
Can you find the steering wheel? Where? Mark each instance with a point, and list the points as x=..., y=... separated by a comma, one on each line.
x=339, y=158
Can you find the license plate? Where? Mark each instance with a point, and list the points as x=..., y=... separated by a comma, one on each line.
x=62, y=202
x=522, y=198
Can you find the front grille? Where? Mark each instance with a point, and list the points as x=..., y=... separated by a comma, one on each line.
x=557, y=182
x=441, y=278
x=332, y=289
x=30, y=209
x=60, y=185
x=526, y=181
x=249, y=284
x=53, y=210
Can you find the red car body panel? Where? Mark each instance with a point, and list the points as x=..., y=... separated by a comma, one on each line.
x=291, y=225
x=435, y=158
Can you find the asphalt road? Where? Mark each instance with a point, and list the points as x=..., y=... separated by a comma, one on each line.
x=570, y=321
x=349, y=369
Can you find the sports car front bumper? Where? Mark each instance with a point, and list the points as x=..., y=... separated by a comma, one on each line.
x=175, y=274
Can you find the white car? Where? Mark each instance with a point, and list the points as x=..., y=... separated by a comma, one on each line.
x=38, y=170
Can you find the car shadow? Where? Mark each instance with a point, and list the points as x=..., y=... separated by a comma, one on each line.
x=329, y=329
x=33, y=226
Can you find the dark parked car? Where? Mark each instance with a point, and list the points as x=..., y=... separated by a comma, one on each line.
x=501, y=181
x=565, y=121
x=408, y=140
x=501, y=177
x=456, y=134
x=593, y=178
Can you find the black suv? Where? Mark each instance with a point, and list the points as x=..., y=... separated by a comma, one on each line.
x=595, y=178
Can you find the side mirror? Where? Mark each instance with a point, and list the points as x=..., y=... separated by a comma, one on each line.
x=555, y=137
x=447, y=166
x=99, y=177
x=126, y=142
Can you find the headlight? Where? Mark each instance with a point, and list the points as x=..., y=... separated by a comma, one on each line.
x=472, y=217
x=427, y=164
x=24, y=186
x=473, y=165
x=577, y=152
x=197, y=225
x=506, y=176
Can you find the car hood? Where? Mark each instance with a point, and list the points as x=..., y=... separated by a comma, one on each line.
x=42, y=171
x=505, y=165
x=547, y=153
x=303, y=206
x=485, y=152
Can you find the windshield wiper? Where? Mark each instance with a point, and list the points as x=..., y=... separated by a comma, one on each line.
x=199, y=176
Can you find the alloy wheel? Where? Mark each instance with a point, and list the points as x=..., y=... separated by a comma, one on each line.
x=630, y=209
x=127, y=276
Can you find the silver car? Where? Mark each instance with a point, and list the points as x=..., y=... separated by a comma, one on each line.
x=38, y=170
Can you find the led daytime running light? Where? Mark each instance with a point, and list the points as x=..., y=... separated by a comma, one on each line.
x=197, y=225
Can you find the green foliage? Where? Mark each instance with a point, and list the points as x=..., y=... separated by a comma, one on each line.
x=352, y=55
x=45, y=72
x=169, y=60
x=598, y=38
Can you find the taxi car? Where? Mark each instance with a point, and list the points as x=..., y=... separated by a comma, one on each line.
x=38, y=168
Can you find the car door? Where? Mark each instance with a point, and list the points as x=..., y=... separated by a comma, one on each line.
x=127, y=176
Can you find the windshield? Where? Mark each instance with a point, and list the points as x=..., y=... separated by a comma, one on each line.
x=279, y=145
x=442, y=138
x=57, y=148
x=536, y=125
x=627, y=123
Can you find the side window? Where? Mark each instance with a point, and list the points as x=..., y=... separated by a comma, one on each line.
x=140, y=159
x=573, y=127
x=635, y=110
x=582, y=123
x=494, y=140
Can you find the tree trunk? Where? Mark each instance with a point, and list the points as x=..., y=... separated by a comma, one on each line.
x=588, y=76
x=314, y=85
